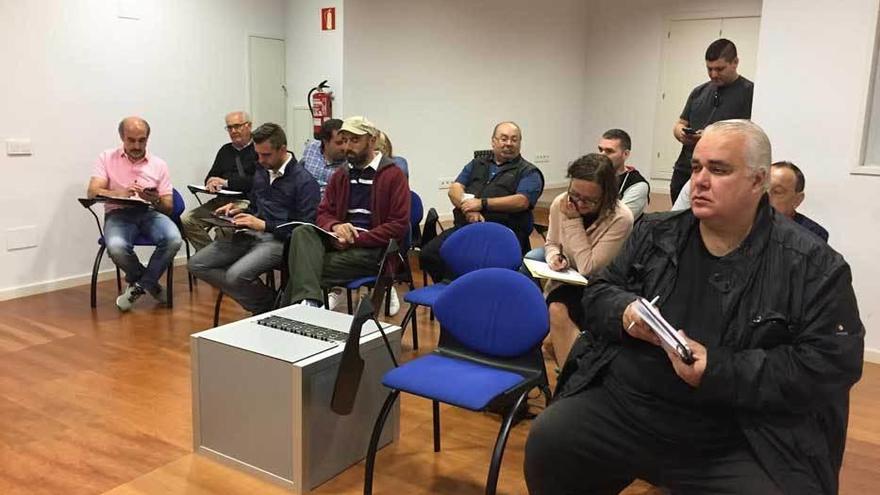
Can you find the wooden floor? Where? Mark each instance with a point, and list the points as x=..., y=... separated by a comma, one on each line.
x=94, y=401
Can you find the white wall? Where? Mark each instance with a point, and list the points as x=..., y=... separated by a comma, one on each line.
x=810, y=98
x=73, y=69
x=437, y=77
x=624, y=55
x=312, y=56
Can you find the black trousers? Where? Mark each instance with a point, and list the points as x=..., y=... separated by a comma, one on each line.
x=587, y=444
x=679, y=179
x=430, y=260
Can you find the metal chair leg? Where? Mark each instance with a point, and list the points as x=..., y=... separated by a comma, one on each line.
x=118, y=281
x=348, y=300
x=411, y=316
x=500, y=442
x=435, y=406
x=374, y=441
x=217, y=308
x=169, y=274
x=415, y=331
x=190, y=279
x=95, y=267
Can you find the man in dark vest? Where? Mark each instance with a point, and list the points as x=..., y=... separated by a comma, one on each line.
x=632, y=188
x=502, y=188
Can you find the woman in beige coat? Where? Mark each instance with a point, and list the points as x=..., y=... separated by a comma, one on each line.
x=588, y=226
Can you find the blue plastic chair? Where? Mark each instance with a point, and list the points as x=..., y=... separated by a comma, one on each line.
x=489, y=356
x=474, y=246
x=140, y=240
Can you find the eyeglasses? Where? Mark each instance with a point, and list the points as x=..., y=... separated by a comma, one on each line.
x=236, y=127
x=583, y=200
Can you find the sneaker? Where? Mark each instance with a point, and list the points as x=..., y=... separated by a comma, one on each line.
x=126, y=300
x=393, y=303
x=334, y=297
x=310, y=302
x=159, y=294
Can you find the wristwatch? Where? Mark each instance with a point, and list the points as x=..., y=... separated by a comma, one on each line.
x=484, y=204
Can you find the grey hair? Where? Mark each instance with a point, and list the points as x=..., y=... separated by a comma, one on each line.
x=758, y=151
x=244, y=115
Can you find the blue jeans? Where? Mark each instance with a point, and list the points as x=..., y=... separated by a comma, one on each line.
x=123, y=226
x=234, y=266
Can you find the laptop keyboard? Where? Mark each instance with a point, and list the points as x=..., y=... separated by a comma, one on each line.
x=304, y=329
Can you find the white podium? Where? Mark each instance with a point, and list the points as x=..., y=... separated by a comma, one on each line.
x=261, y=398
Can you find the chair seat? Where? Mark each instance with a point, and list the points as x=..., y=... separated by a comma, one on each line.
x=358, y=283
x=140, y=240
x=428, y=376
x=425, y=296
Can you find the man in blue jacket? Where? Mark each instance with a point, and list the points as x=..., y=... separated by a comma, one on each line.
x=771, y=317
x=283, y=191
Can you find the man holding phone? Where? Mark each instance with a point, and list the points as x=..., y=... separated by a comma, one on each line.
x=283, y=191
x=132, y=172
x=727, y=95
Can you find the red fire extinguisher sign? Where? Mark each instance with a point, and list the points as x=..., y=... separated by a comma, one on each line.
x=328, y=19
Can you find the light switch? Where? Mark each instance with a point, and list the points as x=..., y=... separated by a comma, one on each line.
x=18, y=147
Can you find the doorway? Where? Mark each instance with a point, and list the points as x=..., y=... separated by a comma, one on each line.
x=268, y=91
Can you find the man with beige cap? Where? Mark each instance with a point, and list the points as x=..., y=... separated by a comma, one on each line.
x=365, y=205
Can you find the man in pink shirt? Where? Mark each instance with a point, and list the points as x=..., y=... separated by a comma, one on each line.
x=130, y=172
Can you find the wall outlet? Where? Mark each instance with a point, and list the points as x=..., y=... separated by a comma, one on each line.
x=21, y=238
x=542, y=158
x=446, y=182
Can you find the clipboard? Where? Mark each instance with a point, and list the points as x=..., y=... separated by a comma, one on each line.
x=651, y=315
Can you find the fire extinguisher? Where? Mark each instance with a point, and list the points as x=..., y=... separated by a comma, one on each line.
x=320, y=105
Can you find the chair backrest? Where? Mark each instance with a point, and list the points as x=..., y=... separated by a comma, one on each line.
x=494, y=311
x=487, y=154
x=416, y=210
x=179, y=206
x=481, y=245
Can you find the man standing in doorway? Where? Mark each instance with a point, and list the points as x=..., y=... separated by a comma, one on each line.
x=727, y=95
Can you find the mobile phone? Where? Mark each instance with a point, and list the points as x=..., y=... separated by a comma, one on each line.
x=150, y=189
x=689, y=131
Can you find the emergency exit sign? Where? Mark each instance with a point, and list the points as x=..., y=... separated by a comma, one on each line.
x=328, y=19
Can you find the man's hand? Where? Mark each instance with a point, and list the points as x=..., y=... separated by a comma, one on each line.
x=474, y=217
x=149, y=194
x=345, y=232
x=471, y=205
x=248, y=221
x=558, y=263
x=692, y=374
x=227, y=210
x=569, y=209
x=637, y=328
x=215, y=184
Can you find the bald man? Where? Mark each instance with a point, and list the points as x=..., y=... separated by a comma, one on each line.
x=130, y=172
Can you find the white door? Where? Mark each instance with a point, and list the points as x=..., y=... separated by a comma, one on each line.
x=267, y=84
x=683, y=68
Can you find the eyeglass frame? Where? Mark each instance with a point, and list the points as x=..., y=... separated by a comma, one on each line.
x=236, y=127
x=578, y=199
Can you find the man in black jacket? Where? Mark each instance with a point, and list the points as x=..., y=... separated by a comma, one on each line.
x=284, y=191
x=770, y=314
x=233, y=170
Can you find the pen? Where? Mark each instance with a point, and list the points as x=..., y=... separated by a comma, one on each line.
x=653, y=301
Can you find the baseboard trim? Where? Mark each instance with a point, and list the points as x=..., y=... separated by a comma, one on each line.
x=872, y=355
x=64, y=283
